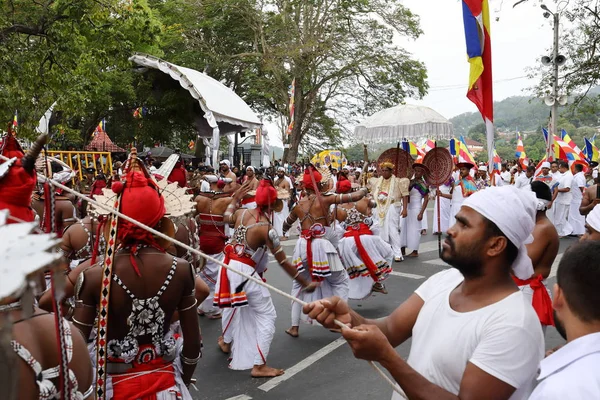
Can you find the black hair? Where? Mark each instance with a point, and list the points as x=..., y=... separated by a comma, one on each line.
x=563, y=164
x=578, y=167
x=541, y=190
x=579, y=277
x=511, y=251
x=531, y=168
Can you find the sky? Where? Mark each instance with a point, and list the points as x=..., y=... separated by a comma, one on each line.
x=519, y=37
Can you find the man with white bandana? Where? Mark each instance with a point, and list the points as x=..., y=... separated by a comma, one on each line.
x=592, y=225
x=226, y=172
x=281, y=183
x=474, y=334
x=249, y=201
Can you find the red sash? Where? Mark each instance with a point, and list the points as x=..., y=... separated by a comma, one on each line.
x=308, y=235
x=542, y=303
x=223, y=296
x=144, y=386
x=363, y=229
x=248, y=200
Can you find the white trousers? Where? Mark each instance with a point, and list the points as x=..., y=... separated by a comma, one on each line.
x=209, y=275
x=445, y=206
x=576, y=220
x=280, y=217
x=561, y=215
x=390, y=228
x=411, y=229
x=337, y=284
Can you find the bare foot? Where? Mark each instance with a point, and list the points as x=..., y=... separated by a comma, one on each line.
x=262, y=371
x=283, y=238
x=293, y=331
x=214, y=316
x=423, y=232
x=413, y=254
x=225, y=347
x=201, y=313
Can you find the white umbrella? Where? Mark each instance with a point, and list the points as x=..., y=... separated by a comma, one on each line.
x=405, y=121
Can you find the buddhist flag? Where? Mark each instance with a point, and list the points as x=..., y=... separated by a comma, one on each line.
x=292, y=106
x=429, y=144
x=590, y=150
x=99, y=128
x=476, y=18
x=15, y=122
x=520, y=153
x=567, y=139
x=496, y=162
x=411, y=148
x=459, y=150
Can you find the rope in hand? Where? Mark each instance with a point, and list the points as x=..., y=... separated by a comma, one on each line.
x=206, y=256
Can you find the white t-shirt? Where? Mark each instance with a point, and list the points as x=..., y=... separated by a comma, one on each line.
x=505, y=177
x=565, y=181
x=503, y=339
x=577, y=183
x=522, y=181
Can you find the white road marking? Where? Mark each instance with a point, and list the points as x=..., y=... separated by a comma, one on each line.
x=307, y=362
x=555, y=265
x=437, y=261
x=240, y=397
x=406, y=275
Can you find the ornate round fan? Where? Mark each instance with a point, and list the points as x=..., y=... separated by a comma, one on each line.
x=439, y=162
x=401, y=160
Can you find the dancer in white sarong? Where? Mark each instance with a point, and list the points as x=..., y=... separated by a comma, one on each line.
x=251, y=324
x=366, y=257
x=417, y=204
x=445, y=206
x=281, y=183
x=315, y=257
x=390, y=194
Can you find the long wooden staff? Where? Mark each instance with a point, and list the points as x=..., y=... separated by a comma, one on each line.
x=439, y=224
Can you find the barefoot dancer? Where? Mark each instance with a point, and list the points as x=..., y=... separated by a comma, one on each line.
x=315, y=257
x=250, y=327
x=365, y=255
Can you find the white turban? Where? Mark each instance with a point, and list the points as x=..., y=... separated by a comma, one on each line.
x=226, y=162
x=280, y=169
x=251, y=168
x=546, y=164
x=593, y=218
x=482, y=168
x=513, y=211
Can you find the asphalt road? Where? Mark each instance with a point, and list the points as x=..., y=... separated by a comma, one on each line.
x=318, y=364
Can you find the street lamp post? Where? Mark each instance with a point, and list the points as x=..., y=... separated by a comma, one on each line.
x=556, y=61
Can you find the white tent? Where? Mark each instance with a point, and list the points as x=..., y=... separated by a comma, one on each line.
x=225, y=112
x=404, y=121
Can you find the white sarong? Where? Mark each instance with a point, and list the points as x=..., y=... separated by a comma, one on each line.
x=410, y=236
x=389, y=228
x=280, y=217
x=561, y=214
x=209, y=274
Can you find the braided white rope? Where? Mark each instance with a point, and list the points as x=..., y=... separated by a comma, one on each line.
x=201, y=254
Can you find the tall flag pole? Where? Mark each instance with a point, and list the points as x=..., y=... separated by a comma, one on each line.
x=476, y=17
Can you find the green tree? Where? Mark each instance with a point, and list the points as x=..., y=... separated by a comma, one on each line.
x=73, y=52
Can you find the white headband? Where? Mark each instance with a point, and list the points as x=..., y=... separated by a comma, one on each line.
x=513, y=211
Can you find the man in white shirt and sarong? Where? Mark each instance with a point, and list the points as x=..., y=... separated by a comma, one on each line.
x=474, y=334
x=443, y=197
x=572, y=371
x=279, y=217
x=412, y=225
x=561, y=201
x=389, y=193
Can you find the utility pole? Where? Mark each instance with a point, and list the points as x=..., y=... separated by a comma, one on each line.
x=550, y=152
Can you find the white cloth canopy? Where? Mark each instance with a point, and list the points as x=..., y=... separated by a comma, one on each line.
x=224, y=111
x=405, y=121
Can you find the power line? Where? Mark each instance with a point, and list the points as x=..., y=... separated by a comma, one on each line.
x=463, y=86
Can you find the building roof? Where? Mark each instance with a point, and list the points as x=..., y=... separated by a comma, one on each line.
x=471, y=142
x=101, y=142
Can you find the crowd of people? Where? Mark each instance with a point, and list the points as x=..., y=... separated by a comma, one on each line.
x=134, y=297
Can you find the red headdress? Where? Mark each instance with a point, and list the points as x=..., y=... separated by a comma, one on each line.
x=307, y=179
x=18, y=182
x=266, y=194
x=136, y=190
x=343, y=184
